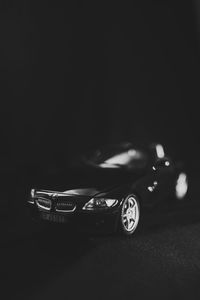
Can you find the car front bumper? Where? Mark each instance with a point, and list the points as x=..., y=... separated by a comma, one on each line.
x=87, y=221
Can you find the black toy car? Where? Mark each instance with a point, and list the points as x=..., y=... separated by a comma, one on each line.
x=117, y=183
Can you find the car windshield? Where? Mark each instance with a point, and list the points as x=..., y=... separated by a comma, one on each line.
x=119, y=157
x=106, y=166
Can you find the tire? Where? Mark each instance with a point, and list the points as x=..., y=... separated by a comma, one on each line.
x=129, y=215
x=181, y=186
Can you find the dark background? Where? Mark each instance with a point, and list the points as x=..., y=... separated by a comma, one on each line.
x=76, y=75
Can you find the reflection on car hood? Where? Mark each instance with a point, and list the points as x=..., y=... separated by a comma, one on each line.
x=87, y=192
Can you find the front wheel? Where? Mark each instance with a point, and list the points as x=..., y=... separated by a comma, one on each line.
x=129, y=215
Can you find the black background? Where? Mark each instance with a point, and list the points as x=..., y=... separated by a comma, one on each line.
x=76, y=75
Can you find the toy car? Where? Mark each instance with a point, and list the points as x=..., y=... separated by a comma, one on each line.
x=118, y=184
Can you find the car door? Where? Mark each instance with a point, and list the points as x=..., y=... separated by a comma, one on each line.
x=162, y=172
x=155, y=185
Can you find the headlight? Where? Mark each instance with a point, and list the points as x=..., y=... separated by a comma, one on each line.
x=99, y=203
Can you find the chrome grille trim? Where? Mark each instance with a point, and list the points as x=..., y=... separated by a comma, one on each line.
x=42, y=206
x=65, y=207
x=66, y=210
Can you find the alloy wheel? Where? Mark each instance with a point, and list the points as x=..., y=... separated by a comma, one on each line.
x=130, y=214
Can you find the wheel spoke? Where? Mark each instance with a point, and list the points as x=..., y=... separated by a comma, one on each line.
x=131, y=222
x=125, y=219
x=128, y=222
x=132, y=204
x=125, y=210
x=134, y=215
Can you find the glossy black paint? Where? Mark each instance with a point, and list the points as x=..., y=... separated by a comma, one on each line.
x=152, y=180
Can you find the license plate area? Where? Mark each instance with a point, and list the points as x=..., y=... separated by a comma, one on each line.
x=53, y=217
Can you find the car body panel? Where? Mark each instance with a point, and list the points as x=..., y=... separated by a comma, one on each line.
x=151, y=180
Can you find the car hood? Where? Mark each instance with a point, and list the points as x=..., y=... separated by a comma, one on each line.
x=89, y=191
x=115, y=191
x=85, y=192
x=93, y=186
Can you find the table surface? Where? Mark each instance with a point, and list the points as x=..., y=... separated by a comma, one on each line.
x=161, y=260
